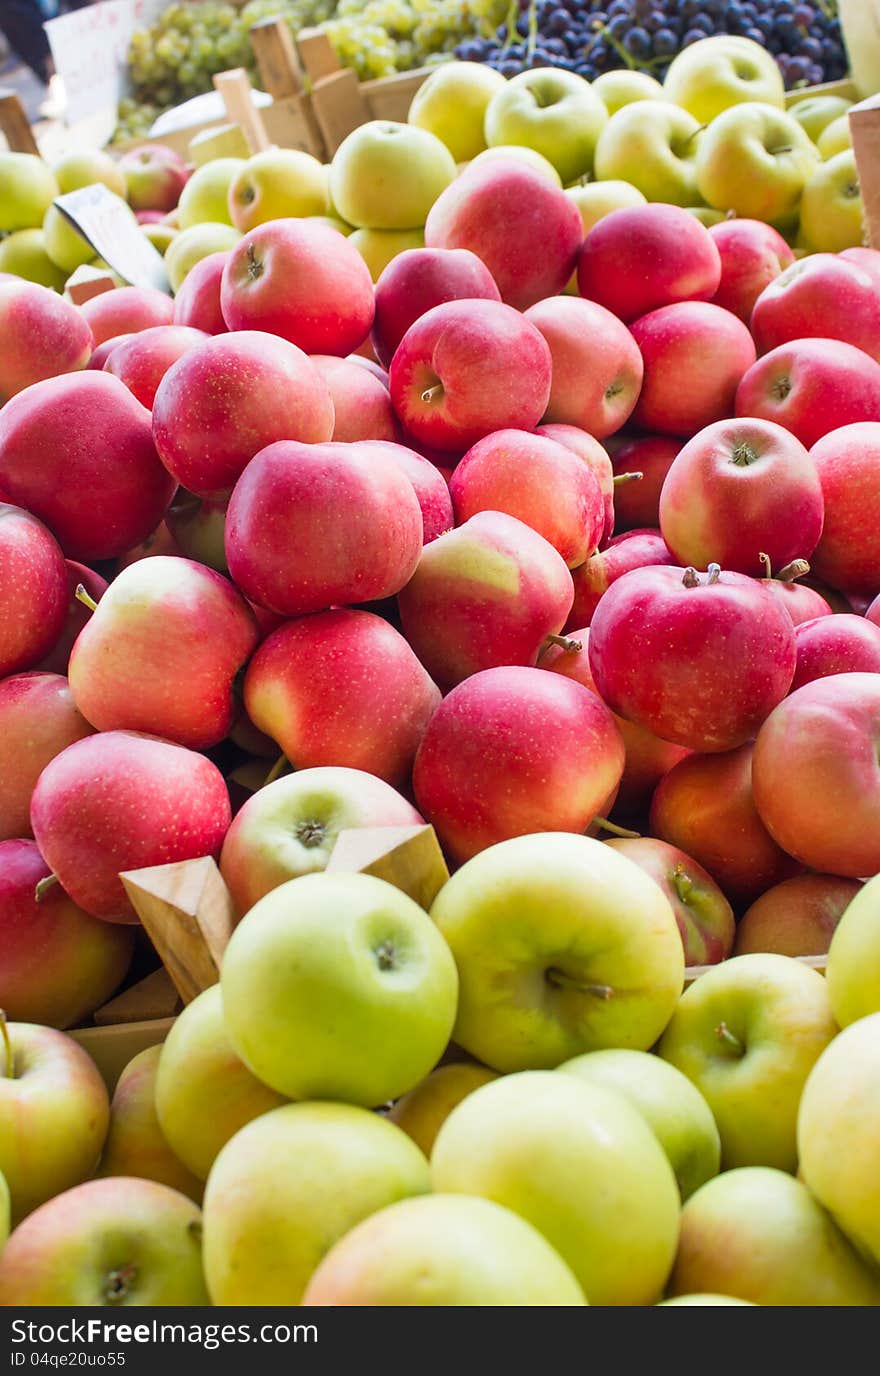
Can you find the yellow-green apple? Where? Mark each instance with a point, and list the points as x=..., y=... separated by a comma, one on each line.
x=416, y=281
x=23, y=254
x=637, y=260
x=65, y=245
x=33, y=590
x=840, y=644
x=38, y=719
x=678, y=343
x=848, y=554
x=267, y=1227
x=759, y=1235
x=199, y=529
x=597, y=364
x=443, y=1249
x=553, y=111
x=811, y=387
x=154, y=177
x=43, y=335
x=653, y=145
x=731, y=634
x=704, y=916
x=815, y=763
x=852, y=978
x=277, y=184
x=562, y=947
x=78, y=613
x=452, y=104
x=135, y=1145
x=379, y=247
x=739, y=490
x=338, y=986
x=423, y=1110
x=502, y=210
x=54, y=1112
x=204, y=1093
x=122, y=801
x=704, y=805
x=520, y=155
x=717, y=73
x=142, y=361
x=386, y=175
x=120, y=1242
x=444, y=376
x=27, y=189
x=826, y=295
x=361, y=404
x=86, y=166
x=624, y=87
x=815, y=113
x=755, y=160
x=301, y=281
x=193, y=245
x=197, y=302
x=538, y=481
x=748, y=1033
x=59, y=964
x=707, y=216
x=205, y=197
x=637, y=502
x=289, y=828
x=581, y=1165
x=161, y=236
x=832, y=211
x=594, y=455
x=797, y=918
x=430, y=486
x=753, y=255
x=228, y=398
x=127, y=310
x=177, y=613
x=836, y=137
x=4, y=1212
x=674, y=1110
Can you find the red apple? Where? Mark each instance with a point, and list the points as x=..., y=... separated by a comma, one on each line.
x=227, y=399
x=361, y=404
x=197, y=303
x=467, y=368
x=33, y=590
x=310, y=526
x=812, y=386
x=635, y=549
x=78, y=452
x=486, y=594
x=695, y=355
x=592, y=453
x=815, y=775
x=99, y=356
x=537, y=480
x=371, y=366
x=825, y=295
x=597, y=365
x=514, y=751
x=431, y=488
x=835, y=645
x=142, y=361
x=740, y=489
x=752, y=256
x=637, y=260
x=126, y=310
x=704, y=916
x=704, y=805
x=154, y=177
x=637, y=502
x=43, y=335
x=873, y=612
x=121, y=801
x=525, y=230
x=848, y=554
x=58, y=964
x=78, y=575
x=300, y=280
x=699, y=661
x=419, y=279
x=341, y=688
x=802, y=601
x=38, y=719
x=797, y=917
x=161, y=651
x=150, y=217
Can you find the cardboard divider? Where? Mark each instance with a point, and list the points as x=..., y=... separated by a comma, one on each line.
x=864, y=123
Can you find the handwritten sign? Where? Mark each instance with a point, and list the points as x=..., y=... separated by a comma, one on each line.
x=107, y=223
x=90, y=47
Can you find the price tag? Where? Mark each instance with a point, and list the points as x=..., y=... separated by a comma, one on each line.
x=106, y=222
x=90, y=51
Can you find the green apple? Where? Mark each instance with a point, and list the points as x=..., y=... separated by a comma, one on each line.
x=339, y=986
x=624, y=87
x=748, y=1033
x=288, y=1186
x=4, y=1211
x=135, y=1144
x=378, y=247
x=838, y=1132
x=653, y=146
x=595, y=200
x=86, y=167
x=199, y=527
x=443, y=1250
x=23, y=253
x=815, y=113
x=553, y=111
x=204, y=1093
x=853, y=973
x=578, y=1163
x=191, y=245
x=27, y=189
x=387, y=176
x=160, y=236
x=65, y=246
x=220, y=141
x=759, y=1235
x=713, y=1300
x=535, y=160
x=835, y=137
x=111, y=1243
x=755, y=160
x=332, y=222
x=831, y=208
x=717, y=73
x=423, y=1111
x=562, y=946
x=205, y=198
x=674, y=1110
x=452, y=105
x=279, y=184
x=706, y=215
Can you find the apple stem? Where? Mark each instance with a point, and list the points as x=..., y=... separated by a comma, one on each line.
x=564, y=981
x=83, y=596
x=701, y=130
x=690, y=578
x=682, y=883
x=621, y=479
x=571, y=647
x=796, y=569
x=9, y=1058
x=276, y=771
x=119, y=1284
x=431, y=393
x=615, y=830
x=728, y=1038
x=44, y=885
x=764, y=560
x=714, y=572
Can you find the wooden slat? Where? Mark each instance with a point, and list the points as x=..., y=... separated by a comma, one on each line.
x=277, y=60
x=235, y=88
x=14, y=124
x=864, y=123
x=317, y=54
x=389, y=97
x=151, y=998
x=693, y=972
x=410, y=858
x=339, y=107
x=111, y=1048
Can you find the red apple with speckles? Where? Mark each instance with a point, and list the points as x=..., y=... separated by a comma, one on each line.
x=361, y=404
x=431, y=487
x=637, y=501
x=829, y=645
x=78, y=613
x=810, y=387
x=802, y=601
x=594, y=455
x=695, y=355
x=823, y=296
x=635, y=549
x=154, y=177
x=33, y=590
x=38, y=719
x=704, y=916
x=142, y=361
x=753, y=255
x=797, y=917
x=197, y=303
x=513, y=751
x=43, y=335
x=648, y=256
x=416, y=281
x=99, y=356
x=597, y=365
x=126, y=310
x=848, y=554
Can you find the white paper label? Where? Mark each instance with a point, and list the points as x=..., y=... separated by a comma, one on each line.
x=106, y=222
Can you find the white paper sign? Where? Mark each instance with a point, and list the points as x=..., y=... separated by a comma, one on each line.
x=90, y=48
x=107, y=223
